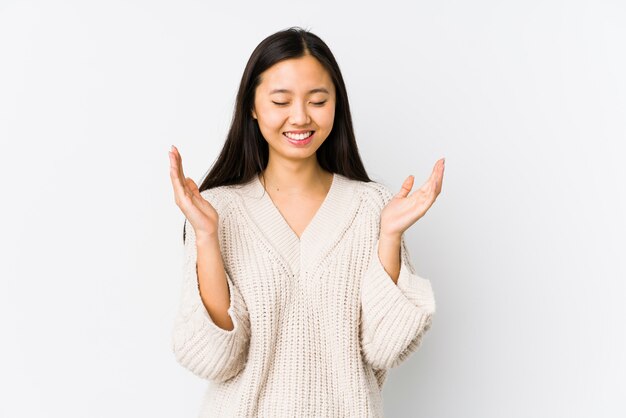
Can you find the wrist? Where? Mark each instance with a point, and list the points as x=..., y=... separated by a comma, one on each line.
x=390, y=236
x=205, y=237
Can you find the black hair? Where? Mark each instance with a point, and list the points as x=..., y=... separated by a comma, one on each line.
x=245, y=152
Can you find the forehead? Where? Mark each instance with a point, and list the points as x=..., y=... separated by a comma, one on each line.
x=296, y=74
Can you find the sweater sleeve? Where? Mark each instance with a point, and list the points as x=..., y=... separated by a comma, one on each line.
x=394, y=317
x=198, y=343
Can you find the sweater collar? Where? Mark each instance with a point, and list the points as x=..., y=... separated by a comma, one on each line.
x=333, y=217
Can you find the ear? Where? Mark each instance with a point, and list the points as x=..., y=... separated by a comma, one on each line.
x=253, y=114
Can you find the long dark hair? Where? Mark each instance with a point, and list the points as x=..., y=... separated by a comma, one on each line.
x=246, y=152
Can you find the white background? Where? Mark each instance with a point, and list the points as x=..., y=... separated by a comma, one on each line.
x=525, y=99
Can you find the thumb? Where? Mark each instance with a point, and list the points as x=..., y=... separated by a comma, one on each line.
x=406, y=186
x=192, y=186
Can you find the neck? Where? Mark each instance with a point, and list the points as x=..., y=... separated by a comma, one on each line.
x=295, y=179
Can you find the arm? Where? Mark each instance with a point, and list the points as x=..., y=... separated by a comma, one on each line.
x=203, y=339
x=389, y=255
x=394, y=316
x=212, y=282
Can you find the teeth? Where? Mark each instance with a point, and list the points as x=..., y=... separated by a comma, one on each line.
x=298, y=137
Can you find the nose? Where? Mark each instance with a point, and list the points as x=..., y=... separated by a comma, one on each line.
x=299, y=114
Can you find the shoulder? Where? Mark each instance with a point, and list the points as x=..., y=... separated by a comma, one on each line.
x=374, y=195
x=219, y=197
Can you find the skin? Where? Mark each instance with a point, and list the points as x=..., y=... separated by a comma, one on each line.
x=212, y=283
x=293, y=177
x=295, y=95
x=402, y=211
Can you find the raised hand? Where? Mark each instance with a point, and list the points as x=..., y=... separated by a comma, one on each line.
x=202, y=216
x=403, y=210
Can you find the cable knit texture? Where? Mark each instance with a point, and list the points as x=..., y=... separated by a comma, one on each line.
x=317, y=319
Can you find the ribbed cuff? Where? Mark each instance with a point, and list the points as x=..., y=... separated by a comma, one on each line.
x=417, y=289
x=394, y=316
x=411, y=286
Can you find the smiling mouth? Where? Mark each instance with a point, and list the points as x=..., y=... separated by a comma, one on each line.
x=298, y=136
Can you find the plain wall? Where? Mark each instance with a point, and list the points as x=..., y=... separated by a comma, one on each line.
x=524, y=247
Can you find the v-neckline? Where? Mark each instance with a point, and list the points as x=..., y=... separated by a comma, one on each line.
x=318, y=212
x=327, y=226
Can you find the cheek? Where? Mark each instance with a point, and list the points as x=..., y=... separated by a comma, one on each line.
x=273, y=118
x=326, y=117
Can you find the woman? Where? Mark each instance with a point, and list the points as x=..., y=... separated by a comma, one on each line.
x=298, y=290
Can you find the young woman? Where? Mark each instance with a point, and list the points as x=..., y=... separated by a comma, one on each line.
x=298, y=290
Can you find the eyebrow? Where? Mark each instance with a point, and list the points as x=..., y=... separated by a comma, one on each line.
x=317, y=90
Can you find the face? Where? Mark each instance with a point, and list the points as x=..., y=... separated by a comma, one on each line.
x=294, y=106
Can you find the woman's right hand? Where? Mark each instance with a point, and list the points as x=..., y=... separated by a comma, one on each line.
x=202, y=216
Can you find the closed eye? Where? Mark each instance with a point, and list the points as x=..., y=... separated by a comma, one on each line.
x=314, y=103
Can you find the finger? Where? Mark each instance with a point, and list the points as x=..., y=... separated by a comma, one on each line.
x=430, y=185
x=407, y=185
x=179, y=160
x=440, y=175
x=178, y=180
x=427, y=187
x=174, y=175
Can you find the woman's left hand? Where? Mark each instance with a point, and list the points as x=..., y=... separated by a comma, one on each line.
x=402, y=211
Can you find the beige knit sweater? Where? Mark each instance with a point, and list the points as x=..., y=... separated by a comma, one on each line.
x=318, y=321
